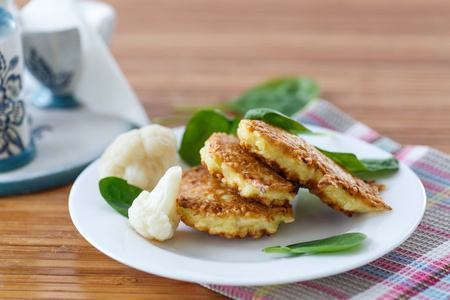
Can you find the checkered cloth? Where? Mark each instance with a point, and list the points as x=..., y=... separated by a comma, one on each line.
x=417, y=269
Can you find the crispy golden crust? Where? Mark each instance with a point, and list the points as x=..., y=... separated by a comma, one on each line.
x=207, y=205
x=241, y=171
x=302, y=163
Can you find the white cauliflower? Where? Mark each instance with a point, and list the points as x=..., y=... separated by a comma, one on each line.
x=140, y=156
x=153, y=214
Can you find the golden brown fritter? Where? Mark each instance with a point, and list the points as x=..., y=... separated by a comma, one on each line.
x=207, y=205
x=243, y=172
x=302, y=163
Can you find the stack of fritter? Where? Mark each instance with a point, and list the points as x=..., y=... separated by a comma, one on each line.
x=234, y=194
x=245, y=185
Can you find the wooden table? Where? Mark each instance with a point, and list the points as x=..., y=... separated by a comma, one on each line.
x=382, y=62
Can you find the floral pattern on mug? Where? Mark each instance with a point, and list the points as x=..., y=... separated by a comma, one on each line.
x=12, y=111
x=41, y=69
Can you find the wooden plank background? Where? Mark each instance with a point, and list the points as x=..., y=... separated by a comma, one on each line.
x=386, y=63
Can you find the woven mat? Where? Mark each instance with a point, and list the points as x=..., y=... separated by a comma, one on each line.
x=417, y=269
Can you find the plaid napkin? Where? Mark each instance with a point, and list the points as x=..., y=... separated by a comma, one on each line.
x=418, y=269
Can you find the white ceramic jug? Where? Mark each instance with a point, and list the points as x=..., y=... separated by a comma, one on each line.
x=16, y=144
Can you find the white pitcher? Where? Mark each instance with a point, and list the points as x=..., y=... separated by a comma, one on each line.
x=16, y=144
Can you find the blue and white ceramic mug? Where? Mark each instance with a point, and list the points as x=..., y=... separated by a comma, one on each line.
x=54, y=59
x=16, y=144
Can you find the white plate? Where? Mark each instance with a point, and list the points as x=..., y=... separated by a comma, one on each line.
x=199, y=257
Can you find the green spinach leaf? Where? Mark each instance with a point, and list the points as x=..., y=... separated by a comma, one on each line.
x=118, y=193
x=286, y=95
x=348, y=160
x=276, y=118
x=354, y=165
x=199, y=129
x=330, y=244
x=375, y=165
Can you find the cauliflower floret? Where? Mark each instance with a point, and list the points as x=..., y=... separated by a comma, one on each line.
x=140, y=156
x=153, y=214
